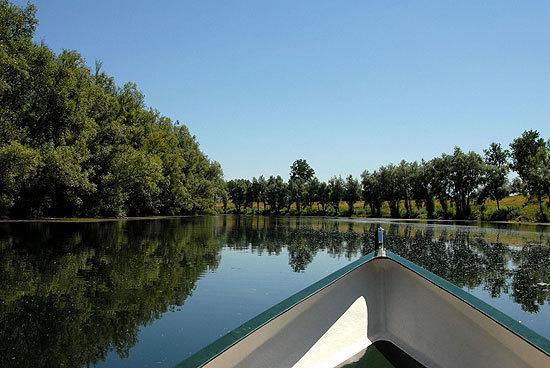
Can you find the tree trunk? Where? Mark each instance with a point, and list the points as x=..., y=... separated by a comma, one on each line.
x=430, y=207
x=394, y=209
x=444, y=206
x=498, y=205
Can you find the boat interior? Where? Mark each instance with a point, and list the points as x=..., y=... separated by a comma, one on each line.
x=381, y=314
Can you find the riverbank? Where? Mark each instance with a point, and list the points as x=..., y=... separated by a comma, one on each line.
x=342, y=217
x=512, y=209
x=92, y=219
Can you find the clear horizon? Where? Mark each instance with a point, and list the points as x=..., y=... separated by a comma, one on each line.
x=345, y=86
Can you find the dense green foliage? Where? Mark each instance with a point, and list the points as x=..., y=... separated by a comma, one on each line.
x=455, y=181
x=73, y=143
x=496, y=171
x=531, y=160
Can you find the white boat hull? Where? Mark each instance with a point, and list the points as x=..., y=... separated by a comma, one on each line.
x=381, y=300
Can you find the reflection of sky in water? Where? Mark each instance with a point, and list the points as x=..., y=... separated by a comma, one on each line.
x=181, y=283
x=244, y=285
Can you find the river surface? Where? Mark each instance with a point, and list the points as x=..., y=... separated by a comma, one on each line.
x=149, y=293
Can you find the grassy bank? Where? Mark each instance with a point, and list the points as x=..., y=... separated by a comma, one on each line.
x=515, y=208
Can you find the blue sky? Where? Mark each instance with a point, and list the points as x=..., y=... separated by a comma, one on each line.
x=347, y=85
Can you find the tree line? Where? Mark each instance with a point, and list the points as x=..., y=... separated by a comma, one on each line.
x=454, y=181
x=73, y=143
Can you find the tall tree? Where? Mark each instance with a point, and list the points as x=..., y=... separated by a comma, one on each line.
x=249, y=197
x=404, y=173
x=323, y=195
x=313, y=192
x=276, y=194
x=257, y=191
x=300, y=176
x=224, y=196
x=495, y=181
x=531, y=160
x=336, y=189
x=389, y=181
x=372, y=192
x=238, y=189
x=352, y=192
x=465, y=176
x=262, y=185
x=422, y=186
x=440, y=168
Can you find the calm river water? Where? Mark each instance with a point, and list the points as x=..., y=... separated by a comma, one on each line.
x=149, y=293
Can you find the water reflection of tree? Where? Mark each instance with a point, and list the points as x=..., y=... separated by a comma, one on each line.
x=530, y=280
x=71, y=293
x=468, y=260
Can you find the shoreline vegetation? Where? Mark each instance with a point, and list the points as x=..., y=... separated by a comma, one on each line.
x=528, y=211
x=74, y=144
x=457, y=186
x=355, y=217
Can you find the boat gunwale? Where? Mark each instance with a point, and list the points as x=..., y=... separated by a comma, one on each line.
x=225, y=342
x=531, y=337
x=217, y=347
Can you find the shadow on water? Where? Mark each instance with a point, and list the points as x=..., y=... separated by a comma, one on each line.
x=72, y=292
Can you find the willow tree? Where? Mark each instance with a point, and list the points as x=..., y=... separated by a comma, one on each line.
x=336, y=190
x=495, y=181
x=300, y=176
x=74, y=143
x=352, y=193
x=531, y=160
x=465, y=176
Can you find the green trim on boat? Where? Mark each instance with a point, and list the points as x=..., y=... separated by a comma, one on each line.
x=504, y=320
x=225, y=342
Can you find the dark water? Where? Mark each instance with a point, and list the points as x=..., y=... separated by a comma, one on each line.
x=148, y=293
x=384, y=354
